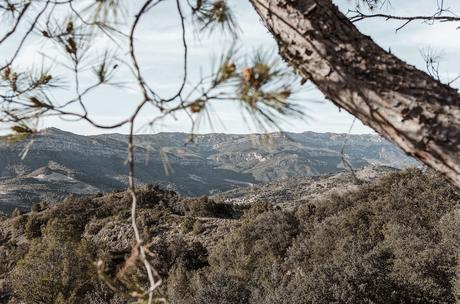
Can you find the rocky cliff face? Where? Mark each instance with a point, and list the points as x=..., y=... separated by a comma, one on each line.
x=54, y=163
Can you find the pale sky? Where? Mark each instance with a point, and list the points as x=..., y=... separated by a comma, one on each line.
x=160, y=52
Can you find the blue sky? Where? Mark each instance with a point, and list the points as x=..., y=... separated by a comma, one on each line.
x=160, y=52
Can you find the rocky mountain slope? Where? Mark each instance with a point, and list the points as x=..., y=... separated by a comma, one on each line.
x=291, y=192
x=54, y=163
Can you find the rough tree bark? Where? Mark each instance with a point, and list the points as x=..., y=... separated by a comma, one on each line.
x=405, y=105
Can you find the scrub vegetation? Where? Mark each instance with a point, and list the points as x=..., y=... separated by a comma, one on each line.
x=395, y=240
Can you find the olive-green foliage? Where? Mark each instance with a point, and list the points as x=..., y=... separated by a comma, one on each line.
x=187, y=224
x=220, y=288
x=54, y=263
x=382, y=244
x=206, y=207
x=57, y=265
x=35, y=223
x=35, y=207
x=260, y=242
x=177, y=252
x=396, y=241
x=56, y=268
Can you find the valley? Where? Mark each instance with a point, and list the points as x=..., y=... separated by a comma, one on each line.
x=52, y=164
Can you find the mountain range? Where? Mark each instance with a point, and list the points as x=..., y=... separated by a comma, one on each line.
x=53, y=163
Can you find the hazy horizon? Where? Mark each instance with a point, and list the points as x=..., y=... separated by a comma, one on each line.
x=207, y=133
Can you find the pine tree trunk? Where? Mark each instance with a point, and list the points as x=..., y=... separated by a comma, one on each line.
x=405, y=105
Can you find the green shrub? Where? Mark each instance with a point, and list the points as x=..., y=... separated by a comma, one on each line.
x=220, y=288
x=35, y=223
x=177, y=252
x=381, y=244
x=187, y=224
x=206, y=207
x=56, y=268
x=396, y=241
x=35, y=207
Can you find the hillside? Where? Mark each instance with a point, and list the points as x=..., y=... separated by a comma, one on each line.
x=393, y=239
x=292, y=192
x=54, y=163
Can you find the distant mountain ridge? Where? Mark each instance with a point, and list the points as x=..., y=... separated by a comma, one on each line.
x=57, y=163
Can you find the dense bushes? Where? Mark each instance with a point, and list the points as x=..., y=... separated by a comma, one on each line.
x=395, y=241
x=392, y=242
x=55, y=262
x=55, y=269
x=206, y=207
